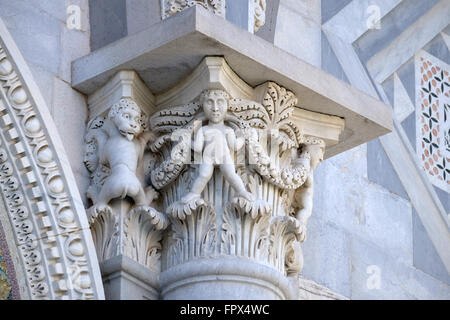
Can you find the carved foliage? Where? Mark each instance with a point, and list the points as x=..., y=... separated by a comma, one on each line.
x=272, y=114
x=143, y=228
x=285, y=251
x=245, y=235
x=191, y=238
x=262, y=229
x=173, y=146
x=105, y=232
x=170, y=7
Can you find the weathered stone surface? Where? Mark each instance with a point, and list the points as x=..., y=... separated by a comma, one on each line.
x=380, y=170
x=407, y=12
x=37, y=33
x=74, y=44
x=425, y=255
x=331, y=7
x=108, y=19
x=330, y=62
x=397, y=280
x=291, y=23
x=327, y=252
x=310, y=290
x=364, y=209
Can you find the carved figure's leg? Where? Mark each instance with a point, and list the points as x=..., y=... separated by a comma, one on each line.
x=229, y=172
x=205, y=173
x=140, y=199
x=104, y=197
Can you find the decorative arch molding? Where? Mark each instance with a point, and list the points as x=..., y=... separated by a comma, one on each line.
x=44, y=211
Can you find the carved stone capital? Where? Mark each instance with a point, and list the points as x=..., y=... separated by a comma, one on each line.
x=228, y=164
x=230, y=170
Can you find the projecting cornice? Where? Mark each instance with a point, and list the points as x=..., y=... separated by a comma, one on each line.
x=167, y=52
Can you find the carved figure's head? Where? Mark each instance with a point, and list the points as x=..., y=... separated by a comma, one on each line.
x=127, y=117
x=215, y=105
x=315, y=149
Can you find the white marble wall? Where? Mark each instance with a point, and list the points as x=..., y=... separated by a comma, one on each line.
x=48, y=46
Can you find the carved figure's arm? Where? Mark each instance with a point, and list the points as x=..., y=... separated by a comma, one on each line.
x=239, y=142
x=305, y=198
x=231, y=139
x=146, y=137
x=199, y=141
x=142, y=141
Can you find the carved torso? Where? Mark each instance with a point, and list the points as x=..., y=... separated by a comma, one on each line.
x=129, y=152
x=216, y=145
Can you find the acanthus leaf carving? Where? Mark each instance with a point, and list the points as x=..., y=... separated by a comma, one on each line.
x=143, y=230
x=244, y=234
x=193, y=237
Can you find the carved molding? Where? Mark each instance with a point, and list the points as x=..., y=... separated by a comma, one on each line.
x=170, y=7
x=310, y=290
x=257, y=9
x=50, y=226
x=125, y=84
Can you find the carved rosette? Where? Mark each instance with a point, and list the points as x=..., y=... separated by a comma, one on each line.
x=219, y=222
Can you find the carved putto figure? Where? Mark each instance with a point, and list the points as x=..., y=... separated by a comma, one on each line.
x=272, y=191
x=311, y=155
x=115, y=146
x=215, y=142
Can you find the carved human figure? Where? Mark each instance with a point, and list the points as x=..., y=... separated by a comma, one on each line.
x=121, y=149
x=215, y=141
x=311, y=156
